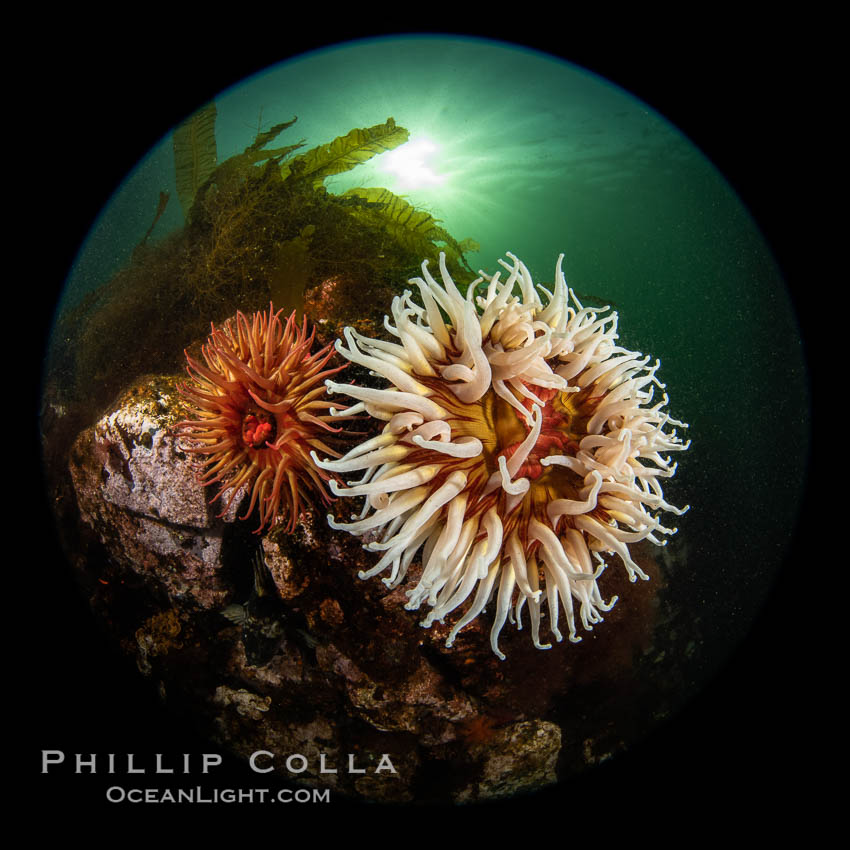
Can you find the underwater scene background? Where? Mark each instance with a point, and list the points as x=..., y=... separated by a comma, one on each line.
x=646, y=223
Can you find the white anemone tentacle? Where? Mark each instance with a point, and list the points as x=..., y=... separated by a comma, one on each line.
x=521, y=450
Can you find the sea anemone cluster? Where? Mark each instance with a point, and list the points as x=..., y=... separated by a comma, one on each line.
x=521, y=449
x=260, y=408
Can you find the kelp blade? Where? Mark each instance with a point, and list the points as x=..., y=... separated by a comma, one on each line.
x=417, y=230
x=195, y=154
x=346, y=152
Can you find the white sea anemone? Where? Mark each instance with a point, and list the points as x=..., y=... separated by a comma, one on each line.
x=521, y=445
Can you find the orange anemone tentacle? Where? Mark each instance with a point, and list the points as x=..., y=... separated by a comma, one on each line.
x=259, y=407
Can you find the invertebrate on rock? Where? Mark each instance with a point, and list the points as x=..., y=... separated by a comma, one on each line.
x=260, y=408
x=521, y=449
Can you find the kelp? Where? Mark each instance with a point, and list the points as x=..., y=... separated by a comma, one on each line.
x=160, y=209
x=195, y=154
x=260, y=226
x=314, y=167
x=345, y=152
x=257, y=153
x=243, y=166
x=293, y=269
x=263, y=137
x=416, y=229
x=255, y=208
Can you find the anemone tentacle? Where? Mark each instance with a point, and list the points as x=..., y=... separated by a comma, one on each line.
x=519, y=446
x=260, y=408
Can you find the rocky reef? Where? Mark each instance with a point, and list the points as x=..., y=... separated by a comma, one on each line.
x=273, y=643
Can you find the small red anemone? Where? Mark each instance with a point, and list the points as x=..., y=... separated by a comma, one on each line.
x=259, y=408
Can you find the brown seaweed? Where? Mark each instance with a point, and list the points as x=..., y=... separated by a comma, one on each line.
x=261, y=227
x=195, y=154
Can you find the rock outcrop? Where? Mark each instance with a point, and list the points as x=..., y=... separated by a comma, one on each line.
x=325, y=666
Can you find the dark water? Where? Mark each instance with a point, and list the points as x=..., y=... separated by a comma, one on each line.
x=557, y=160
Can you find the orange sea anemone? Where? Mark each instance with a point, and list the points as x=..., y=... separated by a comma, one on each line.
x=521, y=445
x=260, y=407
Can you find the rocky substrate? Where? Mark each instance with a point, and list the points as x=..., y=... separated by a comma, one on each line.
x=294, y=654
